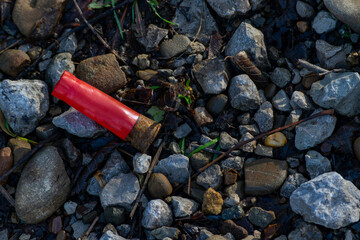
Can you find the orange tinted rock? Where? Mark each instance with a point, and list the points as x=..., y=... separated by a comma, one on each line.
x=6, y=161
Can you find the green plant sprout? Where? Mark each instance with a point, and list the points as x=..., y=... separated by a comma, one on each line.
x=189, y=89
x=204, y=146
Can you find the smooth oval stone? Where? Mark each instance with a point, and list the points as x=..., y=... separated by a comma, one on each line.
x=159, y=186
x=264, y=176
x=43, y=186
x=275, y=140
x=346, y=11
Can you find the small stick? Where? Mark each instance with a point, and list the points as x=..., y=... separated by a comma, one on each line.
x=152, y=166
x=96, y=33
x=19, y=41
x=125, y=152
x=29, y=155
x=65, y=35
x=240, y=144
x=311, y=67
x=7, y=196
x=242, y=61
x=91, y=226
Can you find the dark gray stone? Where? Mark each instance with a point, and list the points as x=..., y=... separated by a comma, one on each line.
x=316, y=164
x=120, y=191
x=212, y=75
x=291, y=184
x=251, y=40
x=243, y=93
x=211, y=177
x=183, y=207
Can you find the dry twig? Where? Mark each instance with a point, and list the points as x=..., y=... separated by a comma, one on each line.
x=65, y=35
x=96, y=33
x=24, y=159
x=240, y=144
x=311, y=67
x=152, y=166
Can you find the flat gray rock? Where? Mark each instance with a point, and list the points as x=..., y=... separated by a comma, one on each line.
x=340, y=91
x=76, y=123
x=212, y=75
x=301, y=101
x=243, y=93
x=175, y=168
x=346, y=11
x=304, y=10
x=314, y=132
x=189, y=15
x=153, y=37
x=24, y=103
x=281, y=77
x=251, y=40
x=156, y=214
x=43, y=186
x=327, y=200
x=331, y=56
x=120, y=191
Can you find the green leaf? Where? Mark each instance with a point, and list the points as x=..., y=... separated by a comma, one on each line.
x=96, y=5
x=187, y=83
x=156, y=113
x=117, y=20
x=182, y=145
x=155, y=87
x=204, y=146
x=154, y=4
x=217, y=149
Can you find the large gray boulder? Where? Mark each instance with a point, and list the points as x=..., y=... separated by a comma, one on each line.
x=24, y=103
x=43, y=186
x=340, y=91
x=251, y=40
x=327, y=200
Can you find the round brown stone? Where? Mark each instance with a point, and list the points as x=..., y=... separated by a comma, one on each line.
x=159, y=186
x=102, y=72
x=13, y=61
x=237, y=231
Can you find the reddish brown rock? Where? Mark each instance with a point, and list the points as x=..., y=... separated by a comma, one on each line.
x=264, y=176
x=102, y=72
x=13, y=61
x=230, y=177
x=237, y=231
x=19, y=149
x=6, y=161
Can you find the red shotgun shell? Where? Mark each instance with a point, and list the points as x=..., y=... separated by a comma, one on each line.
x=95, y=104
